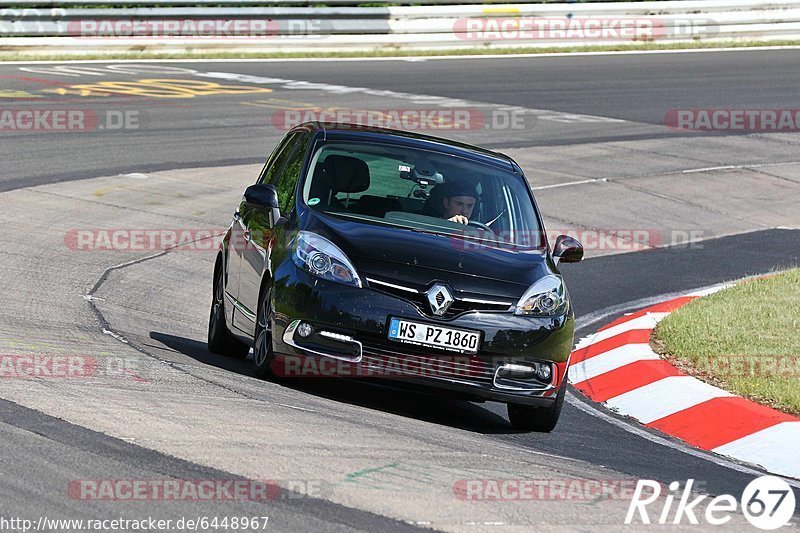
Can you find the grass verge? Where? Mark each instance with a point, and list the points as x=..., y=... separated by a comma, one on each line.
x=745, y=339
x=9, y=55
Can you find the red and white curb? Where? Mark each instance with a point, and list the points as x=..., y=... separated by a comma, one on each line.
x=617, y=367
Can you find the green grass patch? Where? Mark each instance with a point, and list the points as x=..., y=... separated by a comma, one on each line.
x=745, y=339
x=9, y=55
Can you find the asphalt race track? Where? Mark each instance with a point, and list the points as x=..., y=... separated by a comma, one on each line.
x=216, y=131
x=174, y=144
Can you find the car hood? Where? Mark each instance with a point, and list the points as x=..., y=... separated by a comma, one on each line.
x=417, y=260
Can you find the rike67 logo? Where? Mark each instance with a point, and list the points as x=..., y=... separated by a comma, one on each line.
x=767, y=502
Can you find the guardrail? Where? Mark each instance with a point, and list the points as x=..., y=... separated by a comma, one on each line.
x=309, y=3
x=395, y=27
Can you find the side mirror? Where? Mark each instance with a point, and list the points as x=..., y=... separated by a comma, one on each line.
x=264, y=196
x=567, y=249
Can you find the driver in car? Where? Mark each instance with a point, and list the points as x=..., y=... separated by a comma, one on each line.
x=459, y=199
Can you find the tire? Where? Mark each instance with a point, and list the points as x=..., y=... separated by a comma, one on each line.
x=263, y=354
x=540, y=419
x=220, y=339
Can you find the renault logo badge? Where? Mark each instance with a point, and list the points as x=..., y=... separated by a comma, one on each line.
x=439, y=298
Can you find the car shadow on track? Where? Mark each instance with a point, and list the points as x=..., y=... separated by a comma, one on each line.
x=381, y=395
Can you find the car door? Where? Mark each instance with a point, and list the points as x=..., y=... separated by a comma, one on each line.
x=259, y=228
x=240, y=239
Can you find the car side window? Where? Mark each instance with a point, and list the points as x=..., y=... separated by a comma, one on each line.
x=278, y=158
x=286, y=181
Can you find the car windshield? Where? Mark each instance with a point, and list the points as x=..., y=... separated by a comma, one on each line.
x=424, y=191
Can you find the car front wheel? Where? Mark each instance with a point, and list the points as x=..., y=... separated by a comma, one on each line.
x=262, y=344
x=541, y=419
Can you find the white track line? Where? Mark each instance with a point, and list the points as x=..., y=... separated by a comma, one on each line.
x=200, y=59
x=710, y=290
x=569, y=184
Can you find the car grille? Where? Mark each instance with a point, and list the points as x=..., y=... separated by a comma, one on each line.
x=420, y=300
x=413, y=362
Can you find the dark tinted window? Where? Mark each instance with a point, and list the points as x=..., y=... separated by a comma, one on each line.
x=420, y=189
x=286, y=180
x=278, y=158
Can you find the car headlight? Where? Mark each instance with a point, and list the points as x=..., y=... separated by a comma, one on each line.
x=546, y=297
x=322, y=258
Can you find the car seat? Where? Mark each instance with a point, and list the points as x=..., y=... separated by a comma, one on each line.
x=376, y=206
x=338, y=173
x=433, y=204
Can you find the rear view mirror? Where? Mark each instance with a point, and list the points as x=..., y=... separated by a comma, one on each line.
x=423, y=176
x=567, y=249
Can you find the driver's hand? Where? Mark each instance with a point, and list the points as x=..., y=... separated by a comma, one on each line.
x=461, y=219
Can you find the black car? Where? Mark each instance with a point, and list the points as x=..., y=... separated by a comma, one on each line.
x=381, y=253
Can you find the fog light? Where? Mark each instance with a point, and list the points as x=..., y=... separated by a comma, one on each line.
x=336, y=336
x=543, y=372
x=510, y=370
x=540, y=371
x=304, y=329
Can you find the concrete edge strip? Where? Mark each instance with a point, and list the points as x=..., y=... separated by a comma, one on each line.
x=410, y=58
x=616, y=367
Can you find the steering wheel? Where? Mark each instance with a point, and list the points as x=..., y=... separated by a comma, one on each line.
x=481, y=225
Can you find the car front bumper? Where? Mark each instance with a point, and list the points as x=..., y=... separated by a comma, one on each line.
x=356, y=321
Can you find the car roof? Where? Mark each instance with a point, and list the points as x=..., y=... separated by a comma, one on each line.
x=359, y=132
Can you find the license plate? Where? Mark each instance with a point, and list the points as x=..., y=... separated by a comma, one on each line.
x=456, y=340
